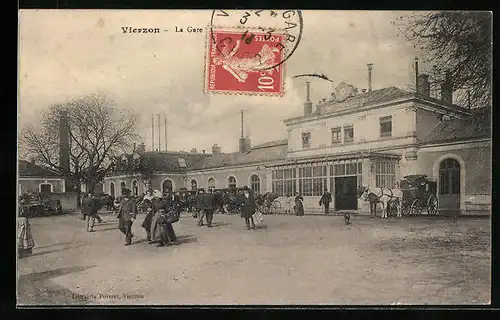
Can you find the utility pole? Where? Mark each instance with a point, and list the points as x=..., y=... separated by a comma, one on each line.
x=159, y=128
x=165, y=133
x=153, y=132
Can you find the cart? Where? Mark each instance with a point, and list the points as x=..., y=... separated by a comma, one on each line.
x=419, y=193
x=268, y=203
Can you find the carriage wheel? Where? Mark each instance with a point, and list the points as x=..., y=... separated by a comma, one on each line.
x=432, y=205
x=405, y=210
x=277, y=206
x=273, y=209
x=416, y=207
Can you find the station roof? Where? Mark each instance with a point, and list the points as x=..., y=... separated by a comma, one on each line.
x=478, y=125
x=30, y=169
x=269, y=151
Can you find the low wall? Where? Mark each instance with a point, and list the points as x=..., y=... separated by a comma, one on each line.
x=477, y=202
x=68, y=200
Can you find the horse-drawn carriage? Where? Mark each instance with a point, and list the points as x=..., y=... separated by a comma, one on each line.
x=267, y=203
x=228, y=199
x=419, y=193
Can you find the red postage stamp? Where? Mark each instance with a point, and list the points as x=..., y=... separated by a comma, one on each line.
x=245, y=62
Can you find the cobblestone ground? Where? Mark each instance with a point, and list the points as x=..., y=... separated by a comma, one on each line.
x=289, y=260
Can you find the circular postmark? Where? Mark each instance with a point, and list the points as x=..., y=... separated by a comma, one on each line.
x=259, y=25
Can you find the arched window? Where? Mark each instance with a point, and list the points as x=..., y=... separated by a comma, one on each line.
x=45, y=188
x=449, y=177
x=194, y=185
x=167, y=185
x=122, y=185
x=231, y=182
x=211, y=184
x=255, y=183
x=112, y=189
x=135, y=188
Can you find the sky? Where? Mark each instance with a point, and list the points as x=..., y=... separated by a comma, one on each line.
x=66, y=54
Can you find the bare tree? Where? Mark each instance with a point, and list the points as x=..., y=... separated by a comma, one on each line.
x=458, y=42
x=98, y=132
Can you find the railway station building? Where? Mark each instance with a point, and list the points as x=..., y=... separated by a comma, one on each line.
x=373, y=138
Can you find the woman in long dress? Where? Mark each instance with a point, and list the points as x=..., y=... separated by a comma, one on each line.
x=161, y=232
x=299, y=205
x=146, y=206
x=25, y=242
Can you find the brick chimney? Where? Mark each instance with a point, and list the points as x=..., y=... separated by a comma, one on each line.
x=64, y=146
x=245, y=145
x=423, y=85
x=370, y=68
x=447, y=89
x=308, y=104
x=216, y=149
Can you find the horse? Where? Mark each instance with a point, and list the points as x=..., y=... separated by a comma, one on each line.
x=384, y=196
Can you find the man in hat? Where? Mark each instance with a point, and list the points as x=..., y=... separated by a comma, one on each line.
x=247, y=201
x=86, y=205
x=92, y=213
x=127, y=212
x=199, y=206
x=325, y=201
x=208, y=207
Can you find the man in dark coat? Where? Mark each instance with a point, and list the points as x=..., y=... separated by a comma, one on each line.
x=171, y=204
x=95, y=205
x=86, y=204
x=325, y=201
x=199, y=206
x=219, y=201
x=127, y=212
x=209, y=207
x=247, y=202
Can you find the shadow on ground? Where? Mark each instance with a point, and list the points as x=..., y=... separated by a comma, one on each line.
x=39, y=253
x=38, y=289
x=186, y=239
x=220, y=224
x=97, y=229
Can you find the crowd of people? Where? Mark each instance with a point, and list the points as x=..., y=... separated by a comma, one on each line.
x=163, y=210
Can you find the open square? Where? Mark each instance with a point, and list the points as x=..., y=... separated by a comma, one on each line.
x=289, y=260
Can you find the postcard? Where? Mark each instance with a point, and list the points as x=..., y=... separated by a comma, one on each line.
x=254, y=157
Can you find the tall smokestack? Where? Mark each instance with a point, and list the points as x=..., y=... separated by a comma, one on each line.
x=416, y=72
x=423, y=85
x=242, y=124
x=165, y=133
x=152, y=132
x=447, y=88
x=308, y=91
x=308, y=103
x=64, y=146
x=242, y=137
x=370, y=67
x=159, y=130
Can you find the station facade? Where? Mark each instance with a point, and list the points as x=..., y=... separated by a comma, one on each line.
x=374, y=139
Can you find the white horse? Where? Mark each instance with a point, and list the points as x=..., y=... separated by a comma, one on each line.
x=385, y=196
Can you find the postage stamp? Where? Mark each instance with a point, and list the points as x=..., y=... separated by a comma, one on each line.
x=247, y=50
x=244, y=62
